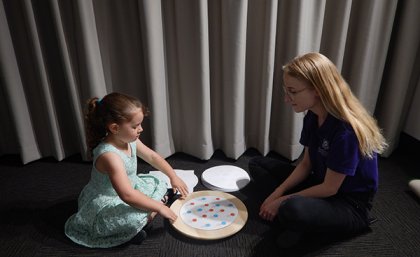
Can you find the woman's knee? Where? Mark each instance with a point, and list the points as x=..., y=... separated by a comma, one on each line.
x=256, y=170
x=292, y=210
x=255, y=162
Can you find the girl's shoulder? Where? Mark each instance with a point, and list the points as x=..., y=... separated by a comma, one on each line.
x=103, y=147
x=106, y=147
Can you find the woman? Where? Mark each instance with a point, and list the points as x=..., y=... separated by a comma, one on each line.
x=332, y=188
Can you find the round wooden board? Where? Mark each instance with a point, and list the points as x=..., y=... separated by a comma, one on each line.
x=189, y=231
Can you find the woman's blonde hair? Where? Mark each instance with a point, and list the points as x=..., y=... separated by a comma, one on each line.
x=338, y=100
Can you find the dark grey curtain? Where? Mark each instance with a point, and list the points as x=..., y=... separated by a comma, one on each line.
x=209, y=70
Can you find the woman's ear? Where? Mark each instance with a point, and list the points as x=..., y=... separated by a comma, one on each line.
x=113, y=128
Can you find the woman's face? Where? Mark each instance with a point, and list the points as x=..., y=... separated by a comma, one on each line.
x=299, y=94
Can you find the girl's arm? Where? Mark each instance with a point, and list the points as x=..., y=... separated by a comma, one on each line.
x=113, y=166
x=161, y=164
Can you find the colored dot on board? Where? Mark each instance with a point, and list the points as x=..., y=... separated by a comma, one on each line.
x=207, y=225
x=210, y=210
x=188, y=211
x=194, y=220
x=230, y=205
x=222, y=210
x=223, y=223
x=217, y=198
x=206, y=204
x=232, y=214
x=217, y=204
x=192, y=203
x=199, y=209
x=203, y=198
x=215, y=215
x=204, y=216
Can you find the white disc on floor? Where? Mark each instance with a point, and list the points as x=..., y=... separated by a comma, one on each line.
x=226, y=178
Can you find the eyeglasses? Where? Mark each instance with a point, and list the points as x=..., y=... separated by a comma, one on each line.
x=293, y=94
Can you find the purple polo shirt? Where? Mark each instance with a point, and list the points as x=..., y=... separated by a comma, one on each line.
x=334, y=145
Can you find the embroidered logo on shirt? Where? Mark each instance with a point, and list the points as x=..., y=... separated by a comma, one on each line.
x=324, y=147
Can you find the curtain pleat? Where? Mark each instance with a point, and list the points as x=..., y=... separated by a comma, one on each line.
x=15, y=113
x=69, y=78
x=334, y=34
x=228, y=95
x=154, y=44
x=48, y=128
x=188, y=76
x=401, y=74
x=260, y=57
x=88, y=49
x=210, y=71
x=366, y=49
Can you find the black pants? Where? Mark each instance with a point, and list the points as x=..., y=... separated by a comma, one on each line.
x=341, y=213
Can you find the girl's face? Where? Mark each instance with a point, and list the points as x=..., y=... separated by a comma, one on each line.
x=130, y=131
x=299, y=94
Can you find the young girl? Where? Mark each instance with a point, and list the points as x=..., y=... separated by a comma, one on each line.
x=332, y=188
x=117, y=203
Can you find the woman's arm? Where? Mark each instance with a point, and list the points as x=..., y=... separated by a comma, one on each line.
x=301, y=172
x=269, y=208
x=161, y=164
x=328, y=187
x=111, y=164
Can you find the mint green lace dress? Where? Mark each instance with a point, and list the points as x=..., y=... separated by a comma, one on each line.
x=103, y=219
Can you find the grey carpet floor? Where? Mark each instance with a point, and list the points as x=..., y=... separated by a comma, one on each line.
x=37, y=198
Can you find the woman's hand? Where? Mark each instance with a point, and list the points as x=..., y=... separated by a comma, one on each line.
x=273, y=196
x=270, y=208
x=179, y=185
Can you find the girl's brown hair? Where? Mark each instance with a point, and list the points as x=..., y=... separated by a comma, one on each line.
x=113, y=108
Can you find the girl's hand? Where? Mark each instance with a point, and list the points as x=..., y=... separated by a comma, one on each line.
x=167, y=213
x=179, y=185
